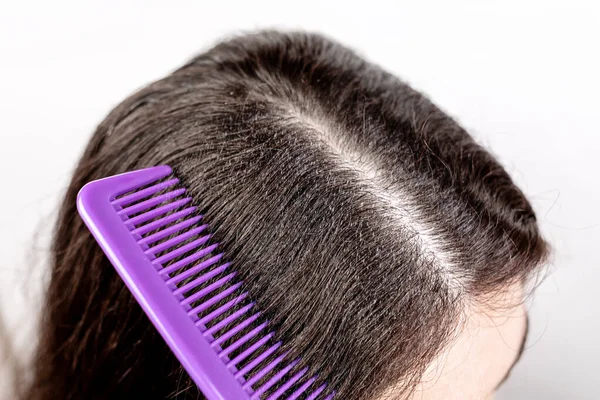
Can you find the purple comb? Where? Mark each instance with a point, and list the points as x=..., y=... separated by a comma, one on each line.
x=153, y=237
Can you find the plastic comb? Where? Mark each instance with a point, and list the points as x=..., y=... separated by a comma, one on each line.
x=152, y=234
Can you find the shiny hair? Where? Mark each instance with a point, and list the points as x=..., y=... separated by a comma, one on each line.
x=360, y=216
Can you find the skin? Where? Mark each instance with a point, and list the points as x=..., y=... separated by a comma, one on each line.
x=485, y=350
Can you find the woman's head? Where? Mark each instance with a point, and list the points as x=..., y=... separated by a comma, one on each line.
x=384, y=245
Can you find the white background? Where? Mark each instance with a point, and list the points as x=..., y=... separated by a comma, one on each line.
x=523, y=77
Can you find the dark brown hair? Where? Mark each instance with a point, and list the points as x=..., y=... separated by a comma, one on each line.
x=360, y=216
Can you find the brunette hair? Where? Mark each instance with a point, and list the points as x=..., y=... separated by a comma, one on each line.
x=360, y=216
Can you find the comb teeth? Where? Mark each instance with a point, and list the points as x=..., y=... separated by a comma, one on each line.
x=141, y=194
x=177, y=249
x=159, y=223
